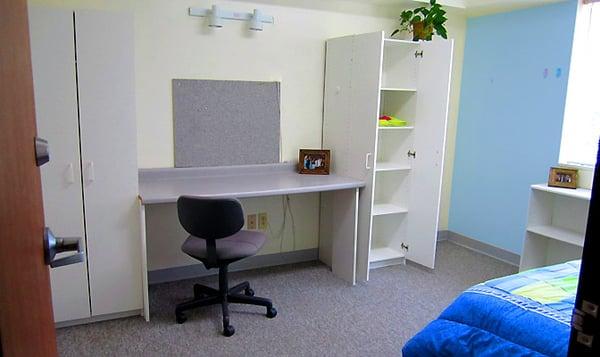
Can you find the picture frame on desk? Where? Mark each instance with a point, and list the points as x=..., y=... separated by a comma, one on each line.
x=314, y=161
x=562, y=177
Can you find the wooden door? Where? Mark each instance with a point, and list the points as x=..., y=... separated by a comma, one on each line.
x=105, y=67
x=53, y=58
x=26, y=322
x=585, y=331
x=433, y=90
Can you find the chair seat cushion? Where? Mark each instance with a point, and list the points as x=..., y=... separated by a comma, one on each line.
x=238, y=246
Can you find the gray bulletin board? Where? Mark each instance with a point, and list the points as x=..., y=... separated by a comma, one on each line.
x=224, y=123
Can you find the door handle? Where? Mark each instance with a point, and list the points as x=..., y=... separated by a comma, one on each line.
x=54, y=245
x=90, y=175
x=367, y=159
x=70, y=174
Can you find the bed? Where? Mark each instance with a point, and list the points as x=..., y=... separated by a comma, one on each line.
x=526, y=314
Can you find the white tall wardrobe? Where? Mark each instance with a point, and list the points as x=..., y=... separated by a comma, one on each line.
x=83, y=70
x=367, y=76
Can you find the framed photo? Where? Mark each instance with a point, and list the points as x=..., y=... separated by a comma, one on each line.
x=314, y=162
x=562, y=177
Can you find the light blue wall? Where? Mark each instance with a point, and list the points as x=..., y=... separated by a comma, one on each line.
x=510, y=118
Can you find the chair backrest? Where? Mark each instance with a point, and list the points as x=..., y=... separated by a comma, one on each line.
x=210, y=218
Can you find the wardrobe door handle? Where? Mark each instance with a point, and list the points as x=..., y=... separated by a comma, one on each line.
x=367, y=159
x=70, y=176
x=90, y=176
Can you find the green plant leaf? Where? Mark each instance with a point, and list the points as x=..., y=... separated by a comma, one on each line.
x=432, y=17
x=440, y=30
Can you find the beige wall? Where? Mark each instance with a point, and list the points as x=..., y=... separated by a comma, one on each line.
x=170, y=44
x=457, y=28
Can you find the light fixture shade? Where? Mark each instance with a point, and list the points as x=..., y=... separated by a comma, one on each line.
x=256, y=21
x=215, y=20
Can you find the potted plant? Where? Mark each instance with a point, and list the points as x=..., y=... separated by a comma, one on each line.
x=423, y=22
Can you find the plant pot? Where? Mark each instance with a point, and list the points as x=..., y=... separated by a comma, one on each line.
x=422, y=32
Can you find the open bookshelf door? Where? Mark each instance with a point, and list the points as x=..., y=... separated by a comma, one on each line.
x=366, y=79
x=352, y=80
x=433, y=90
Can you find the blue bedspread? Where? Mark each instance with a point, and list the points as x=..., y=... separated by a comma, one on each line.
x=525, y=314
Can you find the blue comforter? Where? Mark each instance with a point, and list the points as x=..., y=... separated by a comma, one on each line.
x=526, y=314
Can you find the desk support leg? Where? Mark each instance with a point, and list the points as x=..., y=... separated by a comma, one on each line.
x=146, y=302
x=338, y=235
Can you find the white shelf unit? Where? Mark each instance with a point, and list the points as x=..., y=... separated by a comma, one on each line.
x=385, y=256
x=556, y=226
x=390, y=166
x=390, y=89
x=387, y=208
x=367, y=76
x=394, y=128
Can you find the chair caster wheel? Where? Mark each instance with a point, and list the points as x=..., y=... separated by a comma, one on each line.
x=249, y=292
x=198, y=294
x=180, y=318
x=228, y=331
x=271, y=312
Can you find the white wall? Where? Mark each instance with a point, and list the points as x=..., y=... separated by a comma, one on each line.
x=170, y=44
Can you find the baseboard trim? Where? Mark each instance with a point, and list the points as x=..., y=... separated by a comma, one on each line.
x=257, y=261
x=483, y=248
x=442, y=235
x=88, y=320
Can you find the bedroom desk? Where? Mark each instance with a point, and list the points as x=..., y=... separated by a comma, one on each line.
x=337, y=244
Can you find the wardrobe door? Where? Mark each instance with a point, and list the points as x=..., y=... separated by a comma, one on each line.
x=366, y=80
x=53, y=62
x=105, y=58
x=433, y=90
x=352, y=80
x=337, y=245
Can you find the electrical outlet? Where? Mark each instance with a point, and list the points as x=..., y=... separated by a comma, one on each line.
x=263, y=221
x=251, y=221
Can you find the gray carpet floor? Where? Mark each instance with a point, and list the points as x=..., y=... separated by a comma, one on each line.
x=318, y=313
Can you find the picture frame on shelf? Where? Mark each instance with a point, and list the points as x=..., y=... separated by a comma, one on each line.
x=563, y=177
x=314, y=161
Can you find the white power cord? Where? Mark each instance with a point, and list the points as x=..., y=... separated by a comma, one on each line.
x=286, y=207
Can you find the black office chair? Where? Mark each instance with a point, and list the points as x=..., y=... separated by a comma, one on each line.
x=217, y=240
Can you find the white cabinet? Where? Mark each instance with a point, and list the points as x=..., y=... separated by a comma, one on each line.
x=53, y=60
x=367, y=76
x=83, y=68
x=556, y=226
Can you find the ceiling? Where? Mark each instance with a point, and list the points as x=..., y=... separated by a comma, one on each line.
x=473, y=7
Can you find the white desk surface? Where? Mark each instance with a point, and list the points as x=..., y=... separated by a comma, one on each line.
x=166, y=185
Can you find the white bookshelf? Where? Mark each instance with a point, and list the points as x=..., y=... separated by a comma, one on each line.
x=396, y=128
x=397, y=89
x=381, y=209
x=367, y=76
x=391, y=166
x=557, y=233
x=556, y=225
x=385, y=256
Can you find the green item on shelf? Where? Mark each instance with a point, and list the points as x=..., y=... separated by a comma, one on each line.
x=390, y=121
